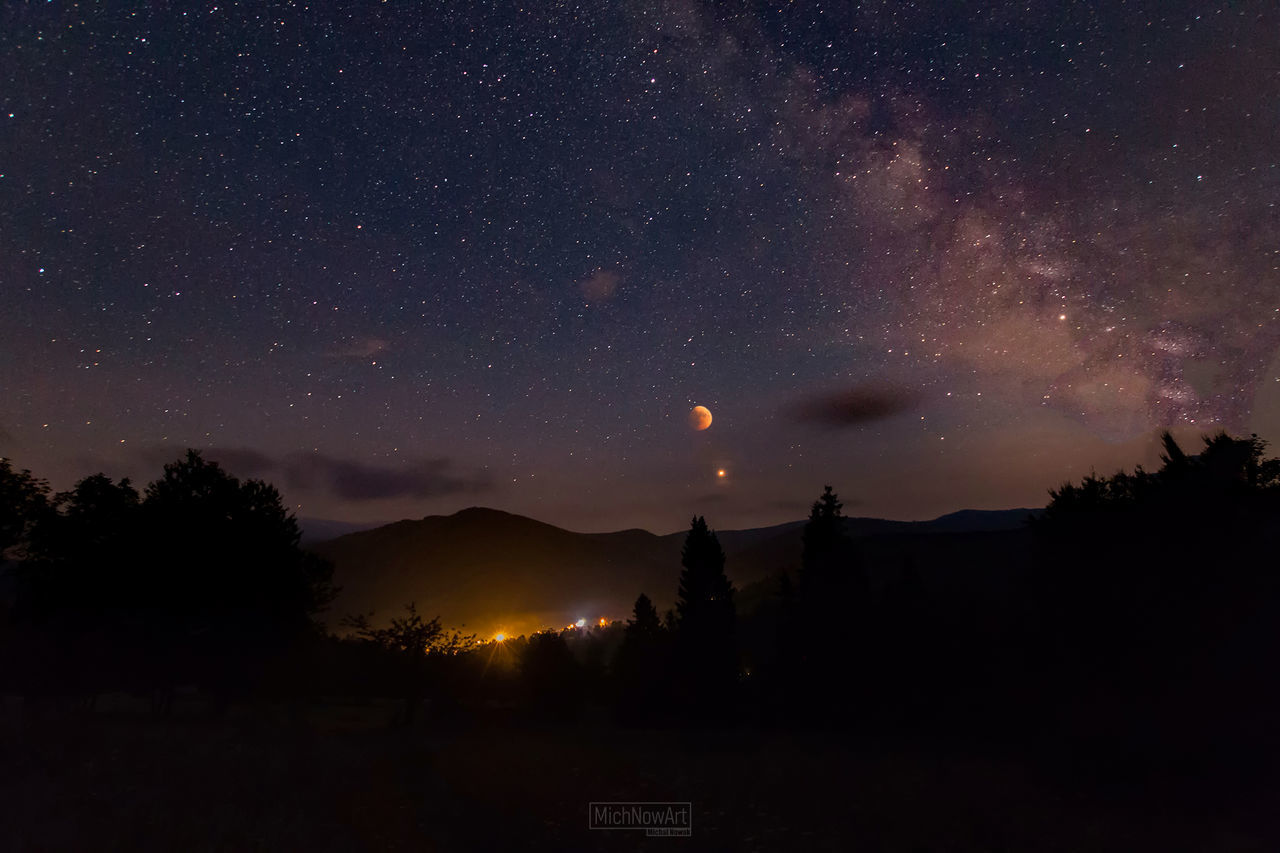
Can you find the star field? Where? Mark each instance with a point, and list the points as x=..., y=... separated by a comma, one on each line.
x=401, y=259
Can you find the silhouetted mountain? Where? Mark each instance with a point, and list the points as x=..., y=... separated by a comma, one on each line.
x=761, y=552
x=489, y=571
x=981, y=520
x=316, y=530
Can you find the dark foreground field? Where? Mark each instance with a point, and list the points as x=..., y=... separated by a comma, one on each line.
x=338, y=779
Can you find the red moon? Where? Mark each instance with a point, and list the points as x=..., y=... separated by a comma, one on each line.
x=700, y=418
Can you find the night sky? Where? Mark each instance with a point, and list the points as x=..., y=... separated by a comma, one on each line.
x=404, y=258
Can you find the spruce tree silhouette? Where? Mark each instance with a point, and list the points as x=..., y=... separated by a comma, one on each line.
x=830, y=633
x=706, y=640
x=640, y=664
x=644, y=626
x=822, y=539
x=830, y=562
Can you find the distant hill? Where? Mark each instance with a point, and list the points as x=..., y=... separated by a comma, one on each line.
x=760, y=552
x=323, y=529
x=980, y=521
x=486, y=571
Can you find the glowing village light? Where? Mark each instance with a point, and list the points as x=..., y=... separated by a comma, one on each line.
x=581, y=623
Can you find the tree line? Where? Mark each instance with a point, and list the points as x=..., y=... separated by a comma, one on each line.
x=197, y=579
x=1153, y=594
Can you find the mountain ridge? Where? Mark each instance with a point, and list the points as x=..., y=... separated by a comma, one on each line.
x=487, y=570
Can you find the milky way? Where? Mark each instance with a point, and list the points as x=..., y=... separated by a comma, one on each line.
x=400, y=262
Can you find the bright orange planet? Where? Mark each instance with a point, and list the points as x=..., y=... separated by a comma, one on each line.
x=700, y=418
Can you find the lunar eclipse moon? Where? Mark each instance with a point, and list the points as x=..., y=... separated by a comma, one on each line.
x=700, y=418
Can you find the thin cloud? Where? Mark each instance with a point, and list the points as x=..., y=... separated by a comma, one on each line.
x=238, y=461
x=359, y=481
x=346, y=479
x=600, y=286
x=362, y=348
x=856, y=406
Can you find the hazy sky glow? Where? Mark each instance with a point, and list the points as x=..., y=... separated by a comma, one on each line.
x=401, y=262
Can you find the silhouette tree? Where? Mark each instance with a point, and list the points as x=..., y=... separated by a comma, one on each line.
x=409, y=641
x=202, y=580
x=97, y=521
x=821, y=536
x=80, y=551
x=706, y=642
x=705, y=593
x=551, y=676
x=644, y=626
x=1215, y=480
x=410, y=634
x=222, y=580
x=640, y=663
x=829, y=562
x=828, y=637
x=23, y=499
x=1144, y=574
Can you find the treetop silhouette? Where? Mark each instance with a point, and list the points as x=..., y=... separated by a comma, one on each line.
x=23, y=499
x=704, y=587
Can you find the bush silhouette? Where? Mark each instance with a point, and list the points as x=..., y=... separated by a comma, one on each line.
x=1158, y=582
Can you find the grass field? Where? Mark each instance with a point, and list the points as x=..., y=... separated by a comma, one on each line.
x=337, y=778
